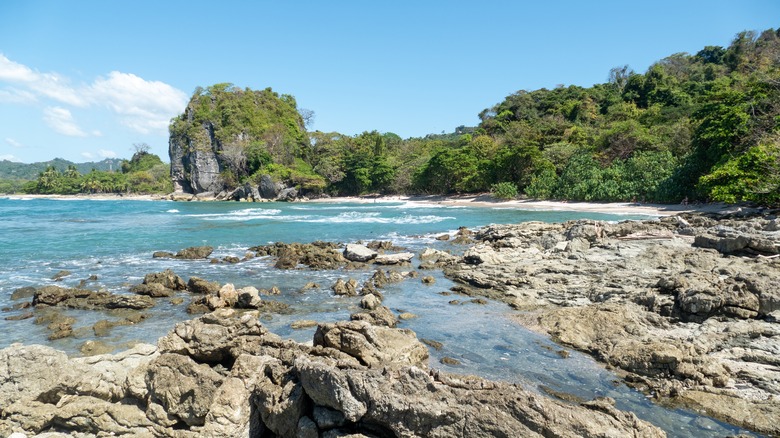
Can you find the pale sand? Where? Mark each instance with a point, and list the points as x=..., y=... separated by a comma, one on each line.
x=97, y=197
x=483, y=200
x=524, y=204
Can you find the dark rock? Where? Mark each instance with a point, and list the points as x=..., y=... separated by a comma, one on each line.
x=200, y=286
x=268, y=188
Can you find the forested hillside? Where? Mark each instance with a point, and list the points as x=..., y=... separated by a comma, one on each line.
x=144, y=173
x=700, y=126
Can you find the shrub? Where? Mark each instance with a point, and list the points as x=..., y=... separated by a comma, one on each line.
x=504, y=190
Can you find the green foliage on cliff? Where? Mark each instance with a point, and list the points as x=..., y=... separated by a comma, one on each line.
x=249, y=130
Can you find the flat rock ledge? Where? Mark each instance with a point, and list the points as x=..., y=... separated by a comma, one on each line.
x=686, y=307
x=225, y=375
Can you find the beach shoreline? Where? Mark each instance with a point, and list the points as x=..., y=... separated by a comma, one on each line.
x=478, y=200
x=487, y=201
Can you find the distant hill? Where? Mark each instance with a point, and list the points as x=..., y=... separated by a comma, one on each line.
x=22, y=171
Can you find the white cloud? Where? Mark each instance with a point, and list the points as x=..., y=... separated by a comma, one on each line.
x=50, y=85
x=61, y=120
x=96, y=133
x=8, y=158
x=144, y=106
x=141, y=105
x=14, y=95
x=13, y=143
x=103, y=153
x=87, y=155
x=14, y=72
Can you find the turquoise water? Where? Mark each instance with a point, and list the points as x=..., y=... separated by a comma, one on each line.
x=115, y=239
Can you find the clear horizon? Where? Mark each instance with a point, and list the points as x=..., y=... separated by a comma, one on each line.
x=84, y=81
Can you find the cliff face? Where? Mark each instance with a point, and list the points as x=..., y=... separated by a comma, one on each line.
x=195, y=167
x=226, y=134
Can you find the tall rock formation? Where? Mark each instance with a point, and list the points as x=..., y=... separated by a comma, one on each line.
x=226, y=134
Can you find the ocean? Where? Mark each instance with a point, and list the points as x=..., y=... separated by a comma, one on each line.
x=114, y=241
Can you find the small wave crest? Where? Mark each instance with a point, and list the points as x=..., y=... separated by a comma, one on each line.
x=376, y=218
x=240, y=215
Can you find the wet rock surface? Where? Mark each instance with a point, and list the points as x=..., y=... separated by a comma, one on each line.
x=224, y=374
x=685, y=306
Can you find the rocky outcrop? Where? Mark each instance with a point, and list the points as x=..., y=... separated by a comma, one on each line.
x=316, y=255
x=269, y=189
x=195, y=166
x=74, y=298
x=677, y=303
x=225, y=375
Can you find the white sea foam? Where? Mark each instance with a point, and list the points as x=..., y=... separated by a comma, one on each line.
x=241, y=215
x=173, y=210
x=353, y=217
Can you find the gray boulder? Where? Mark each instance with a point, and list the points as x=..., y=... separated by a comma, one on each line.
x=268, y=188
x=358, y=253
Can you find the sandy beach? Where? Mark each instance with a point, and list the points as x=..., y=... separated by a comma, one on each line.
x=486, y=200
x=481, y=200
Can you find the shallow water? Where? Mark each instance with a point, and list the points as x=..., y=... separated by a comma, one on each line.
x=114, y=240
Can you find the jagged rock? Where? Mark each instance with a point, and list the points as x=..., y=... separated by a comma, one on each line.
x=224, y=375
x=195, y=253
x=183, y=387
x=214, y=337
x=288, y=194
x=381, y=316
x=373, y=346
x=358, y=253
x=163, y=255
x=370, y=302
x=246, y=192
x=248, y=298
x=342, y=287
x=229, y=295
x=411, y=402
x=268, y=188
x=87, y=299
x=154, y=290
x=201, y=286
x=316, y=255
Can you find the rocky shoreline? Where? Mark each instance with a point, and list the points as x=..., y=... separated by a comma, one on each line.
x=685, y=308
x=224, y=374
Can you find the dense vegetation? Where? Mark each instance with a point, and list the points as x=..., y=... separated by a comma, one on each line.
x=702, y=127
x=254, y=132
x=13, y=175
x=144, y=173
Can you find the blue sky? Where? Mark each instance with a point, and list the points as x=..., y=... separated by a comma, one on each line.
x=85, y=80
